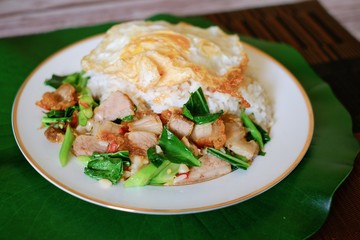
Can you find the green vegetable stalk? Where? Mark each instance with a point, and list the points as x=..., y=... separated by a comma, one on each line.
x=66, y=146
x=84, y=159
x=141, y=177
x=236, y=160
x=265, y=136
x=152, y=174
x=86, y=105
x=167, y=174
x=256, y=132
x=58, y=118
x=155, y=158
x=123, y=154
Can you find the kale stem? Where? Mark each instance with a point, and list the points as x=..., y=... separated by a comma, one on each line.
x=66, y=146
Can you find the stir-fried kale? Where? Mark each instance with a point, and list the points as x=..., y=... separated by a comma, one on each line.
x=58, y=118
x=141, y=177
x=175, y=150
x=197, y=109
x=86, y=105
x=110, y=168
x=85, y=102
x=66, y=146
x=255, y=131
x=235, y=160
x=107, y=165
x=77, y=79
x=123, y=154
x=166, y=169
x=155, y=158
x=166, y=173
x=264, y=134
x=55, y=81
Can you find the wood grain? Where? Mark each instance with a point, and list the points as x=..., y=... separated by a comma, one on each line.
x=18, y=17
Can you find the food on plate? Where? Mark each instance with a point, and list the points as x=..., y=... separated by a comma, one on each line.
x=159, y=103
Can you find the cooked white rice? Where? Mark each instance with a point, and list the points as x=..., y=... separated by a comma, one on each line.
x=162, y=98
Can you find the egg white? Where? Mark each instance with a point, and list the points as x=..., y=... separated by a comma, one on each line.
x=159, y=54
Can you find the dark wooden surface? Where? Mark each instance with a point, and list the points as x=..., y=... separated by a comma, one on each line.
x=335, y=55
x=323, y=42
x=19, y=17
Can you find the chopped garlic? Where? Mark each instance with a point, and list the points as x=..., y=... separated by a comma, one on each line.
x=183, y=169
x=180, y=178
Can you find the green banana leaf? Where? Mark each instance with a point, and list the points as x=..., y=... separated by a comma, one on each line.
x=32, y=208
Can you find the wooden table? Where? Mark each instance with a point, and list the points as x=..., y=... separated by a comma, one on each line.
x=325, y=45
x=307, y=26
x=19, y=17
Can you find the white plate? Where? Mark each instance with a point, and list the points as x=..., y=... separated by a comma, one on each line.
x=291, y=136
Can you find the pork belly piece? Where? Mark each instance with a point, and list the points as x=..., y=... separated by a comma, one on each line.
x=180, y=126
x=211, y=167
x=149, y=123
x=209, y=134
x=54, y=135
x=117, y=105
x=194, y=149
x=112, y=133
x=87, y=145
x=101, y=127
x=236, y=139
x=218, y=134
x=166, y=114
x=140, y=141
x=63, y=97
x=201, y=134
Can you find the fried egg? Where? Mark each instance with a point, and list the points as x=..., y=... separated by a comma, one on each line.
x=159, y=54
